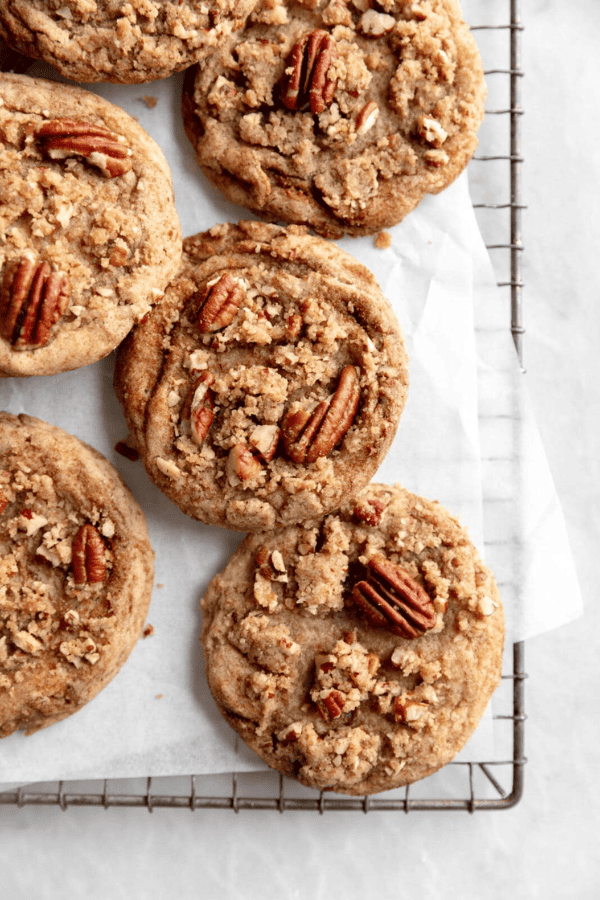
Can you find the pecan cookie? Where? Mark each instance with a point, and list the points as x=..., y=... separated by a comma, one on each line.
x=269, y=382
x=90, y=233
x=340, y=114
x=133, y=42
x=76, y=573
x=358, y=653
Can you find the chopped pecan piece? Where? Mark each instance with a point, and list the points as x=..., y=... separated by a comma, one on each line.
x=306, y=82
x=118, y=257
x=199, y=407
x=331, y=705
x=392, y=599
x=430, y=130
x=367, y=117
x=370, y=510
x=89, y=556
x=270, y=564
x=374, y=24
x=218, y=302
x=3, y=502
x=99, y=146
x=26, y=642
x=264, y=439
x=293, y=326
x=32, y=299
x=308, y=436
x=291, y=733
x=436, y=158
x=407, y=713
x=242, y=463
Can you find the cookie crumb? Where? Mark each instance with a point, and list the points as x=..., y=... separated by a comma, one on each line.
x=383, y=240
x=150, y=101
x=159, y=696
x=126, y=450
x=148, y=631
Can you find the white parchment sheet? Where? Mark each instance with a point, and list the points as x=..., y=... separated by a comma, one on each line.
x=157, y=716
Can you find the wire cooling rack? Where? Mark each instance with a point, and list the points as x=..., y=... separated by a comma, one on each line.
x=495, y=175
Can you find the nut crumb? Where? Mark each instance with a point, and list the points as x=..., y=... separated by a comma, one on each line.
x=148, y=631
x=150, y=101
x=167, y=467
x=383, y=240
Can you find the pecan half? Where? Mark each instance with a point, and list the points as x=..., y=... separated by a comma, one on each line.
x=392, y=599
x=99, y=146
x=218, y=302
x=308, y=436
x=306, y=82
x=89, y=556
x=32, y=299
x=199, y=407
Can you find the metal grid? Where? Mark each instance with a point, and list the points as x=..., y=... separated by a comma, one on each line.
x=469, y=786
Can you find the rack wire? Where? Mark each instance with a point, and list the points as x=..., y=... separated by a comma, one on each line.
x=469, y=786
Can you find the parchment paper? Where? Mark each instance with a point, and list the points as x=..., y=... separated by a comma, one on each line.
x=157, y=716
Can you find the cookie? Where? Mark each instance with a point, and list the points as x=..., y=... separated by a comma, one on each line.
x=133, y=42
x=91, y=236
x=338, y=114
x=269, y=382
x=76, y=573
x=359, y=653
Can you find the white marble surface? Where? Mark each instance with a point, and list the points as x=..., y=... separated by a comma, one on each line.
x=546, y=846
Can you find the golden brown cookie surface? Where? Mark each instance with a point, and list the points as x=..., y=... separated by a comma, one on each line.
x=269, y=383
x=76, y=573
x=91, y=235
x=339, y=114
x=359, y=653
